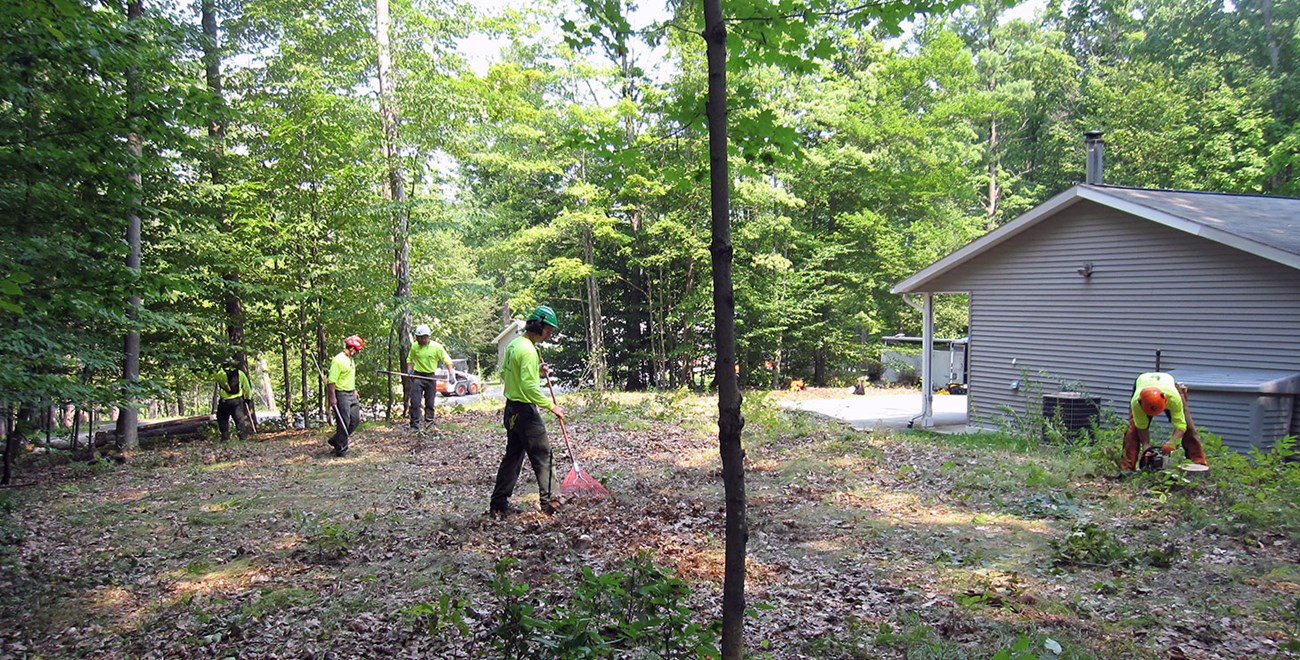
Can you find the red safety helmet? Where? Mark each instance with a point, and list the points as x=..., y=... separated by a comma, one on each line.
x=1153, y=400
x=354, y=342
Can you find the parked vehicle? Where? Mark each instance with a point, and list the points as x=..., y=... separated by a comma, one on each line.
x=464, y=383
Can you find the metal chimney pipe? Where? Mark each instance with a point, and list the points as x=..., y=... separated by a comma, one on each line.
x=1096, y=148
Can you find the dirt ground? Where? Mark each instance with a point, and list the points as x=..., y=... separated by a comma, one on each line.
x=864, y=544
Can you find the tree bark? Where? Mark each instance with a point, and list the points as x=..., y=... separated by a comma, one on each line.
x=396, y=191
x=128, y=420
x=234, y=307
x=596, y=337
x=284, y=361
x=730, y=423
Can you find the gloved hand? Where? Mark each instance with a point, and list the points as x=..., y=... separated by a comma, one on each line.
x=1167, y=449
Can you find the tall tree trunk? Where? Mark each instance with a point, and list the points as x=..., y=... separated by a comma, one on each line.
x=730, y=423
x=990, y=14
x=323, y=363
x=1274, y=55
x=284, y=361
x=595, y=334
x=396, y=190
x=995, y=190
x=638, y=291
x=128, y=438
x=234, y=307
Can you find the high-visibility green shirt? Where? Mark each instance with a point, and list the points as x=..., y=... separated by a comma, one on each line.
x=1173, y=400
x=521, y=371
x=223, y=385
x=427, y=358
x=343, y=372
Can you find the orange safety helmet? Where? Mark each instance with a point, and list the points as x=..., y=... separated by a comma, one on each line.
x=354, y=342
x=1152, y=400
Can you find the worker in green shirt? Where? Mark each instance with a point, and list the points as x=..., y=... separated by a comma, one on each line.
x=1155, y=393
x=341, y=386
x=424, y=357
x=234, y=396
x=522, y=371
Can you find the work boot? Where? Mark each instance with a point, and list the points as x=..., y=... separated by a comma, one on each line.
x=510, y=510
x=550, y=507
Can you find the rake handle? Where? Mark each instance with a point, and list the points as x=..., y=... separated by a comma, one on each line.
x=563, y=430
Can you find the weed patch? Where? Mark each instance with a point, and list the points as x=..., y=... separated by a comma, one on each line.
x=640, y=608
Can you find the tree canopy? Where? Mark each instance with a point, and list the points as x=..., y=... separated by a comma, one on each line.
x=571, y=170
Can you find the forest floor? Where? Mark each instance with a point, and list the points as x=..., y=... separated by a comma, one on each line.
x=862, y=545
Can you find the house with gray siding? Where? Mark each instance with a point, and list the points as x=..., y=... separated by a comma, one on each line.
x=1080, y=293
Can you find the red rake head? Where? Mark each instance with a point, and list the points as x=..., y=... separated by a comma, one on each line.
x=581, y=483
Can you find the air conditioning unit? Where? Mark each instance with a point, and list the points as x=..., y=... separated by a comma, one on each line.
x=1070, y=414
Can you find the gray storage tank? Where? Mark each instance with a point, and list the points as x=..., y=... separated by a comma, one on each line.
x=1247, y=408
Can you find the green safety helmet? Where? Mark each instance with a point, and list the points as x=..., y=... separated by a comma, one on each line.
x=545, y=315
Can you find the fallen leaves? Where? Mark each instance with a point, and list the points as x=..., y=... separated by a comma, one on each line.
x=208, y=551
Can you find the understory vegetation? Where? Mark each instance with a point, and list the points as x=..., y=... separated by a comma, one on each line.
x=863, y=544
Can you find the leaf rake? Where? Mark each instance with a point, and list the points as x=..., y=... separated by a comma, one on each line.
x=577, y=482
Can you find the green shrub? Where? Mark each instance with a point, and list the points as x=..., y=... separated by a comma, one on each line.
x=1257, y=492
x=639, y=611
x=444, y=616
x=328, y=540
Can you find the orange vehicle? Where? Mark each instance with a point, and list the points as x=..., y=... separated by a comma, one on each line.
x=464, y=383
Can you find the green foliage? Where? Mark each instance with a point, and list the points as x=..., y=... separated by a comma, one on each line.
x=328, y=540
x=1088, y=545
x=1285, y=613
x=1051, y=504
x=273, y=600
x=11, y=532
x=1258, y=491
x=89, y=469
x=442, y=617
x=912, y=637
x=640, y=609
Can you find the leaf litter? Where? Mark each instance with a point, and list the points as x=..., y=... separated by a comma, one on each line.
x=862, y=544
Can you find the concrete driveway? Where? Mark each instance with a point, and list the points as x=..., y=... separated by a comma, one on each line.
x=889, y=411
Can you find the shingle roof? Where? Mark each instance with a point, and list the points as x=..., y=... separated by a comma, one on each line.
x=1265, y=226
x=1271, y=221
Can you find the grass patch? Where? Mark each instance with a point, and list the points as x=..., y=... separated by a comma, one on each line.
x=269, y=601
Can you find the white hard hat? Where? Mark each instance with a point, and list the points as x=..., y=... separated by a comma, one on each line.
x=422, y=330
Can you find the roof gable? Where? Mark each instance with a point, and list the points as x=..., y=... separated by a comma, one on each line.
x=1268, y=227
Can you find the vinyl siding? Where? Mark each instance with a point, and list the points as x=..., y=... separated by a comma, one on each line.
x=1202, y=304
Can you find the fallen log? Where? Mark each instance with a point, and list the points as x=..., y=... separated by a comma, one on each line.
x=179, y=428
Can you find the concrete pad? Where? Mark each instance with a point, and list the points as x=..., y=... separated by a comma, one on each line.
x=890, y=411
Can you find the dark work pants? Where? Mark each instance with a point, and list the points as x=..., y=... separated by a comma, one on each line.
x=423, y=395
x=1191, y=439
x=349, y=410
x=228, y=408
x=525, y=436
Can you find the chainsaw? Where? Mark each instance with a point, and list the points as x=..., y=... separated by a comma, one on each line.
x=1152, y=459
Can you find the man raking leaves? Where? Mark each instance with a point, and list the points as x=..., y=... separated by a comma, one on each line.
x=521, y=371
